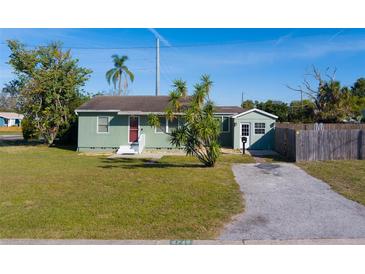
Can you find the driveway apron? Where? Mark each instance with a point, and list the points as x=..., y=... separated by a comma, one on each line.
x=284, y=202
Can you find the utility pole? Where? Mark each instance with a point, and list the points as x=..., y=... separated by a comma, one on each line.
x=301, y=103
x=242, y=98
x=157, y=66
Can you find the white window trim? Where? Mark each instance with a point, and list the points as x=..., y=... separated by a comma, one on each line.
x=249, y=132
x=264, y=128
x=229, y=124
x=167, y=123
x=249, y=128
x=97, y=125
x=166, y=127
x=139, y=127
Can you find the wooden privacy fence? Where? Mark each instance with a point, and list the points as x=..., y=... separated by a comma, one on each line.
x=330, y=142
x=323, y=126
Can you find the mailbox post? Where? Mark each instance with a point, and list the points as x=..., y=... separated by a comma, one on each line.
x=244, y=141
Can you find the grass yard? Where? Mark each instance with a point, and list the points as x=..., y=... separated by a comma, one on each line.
x=56, y=193
x=345, y=177
x=11, y=131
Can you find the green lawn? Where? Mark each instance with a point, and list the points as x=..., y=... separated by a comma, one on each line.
x=10, y=133
x=345, y=177
x=56, y=193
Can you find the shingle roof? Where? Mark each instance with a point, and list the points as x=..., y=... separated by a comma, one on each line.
x=229, y=109
x=11, y=115
x=147, y=104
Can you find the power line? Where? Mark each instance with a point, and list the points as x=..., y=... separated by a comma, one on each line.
x=144, y=47
x=166, y=69
x=166, y=76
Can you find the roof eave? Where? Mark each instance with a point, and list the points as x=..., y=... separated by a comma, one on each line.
x=225, y=113
x=95, y=110
x=257, y=110
x=122, y=112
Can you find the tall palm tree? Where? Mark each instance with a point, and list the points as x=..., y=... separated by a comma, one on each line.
x=119, y=72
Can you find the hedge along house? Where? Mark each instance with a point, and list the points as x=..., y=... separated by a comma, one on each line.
x=121, y=123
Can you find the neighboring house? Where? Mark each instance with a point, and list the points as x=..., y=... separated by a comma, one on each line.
x=113, y=122
x=9, y=119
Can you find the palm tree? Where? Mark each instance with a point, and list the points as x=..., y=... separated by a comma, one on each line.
x=198, y=135
x=117, y=73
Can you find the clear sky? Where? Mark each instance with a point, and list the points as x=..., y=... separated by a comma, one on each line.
x=258, y=62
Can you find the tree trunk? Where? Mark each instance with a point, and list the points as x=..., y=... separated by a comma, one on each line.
x=120, y=86
x=125, y=85
x=50, y=135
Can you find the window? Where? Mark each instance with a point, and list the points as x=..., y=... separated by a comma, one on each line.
x=103, y=124
x=245, y=130
x=172, y=125
x=259, y=128
x=163, y=124
x=181, y=121
x=224, y=123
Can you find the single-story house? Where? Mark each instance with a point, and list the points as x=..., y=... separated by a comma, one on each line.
x=121, y=123
x=9, y=119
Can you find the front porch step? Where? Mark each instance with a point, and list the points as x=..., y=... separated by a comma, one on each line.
x=130, y=149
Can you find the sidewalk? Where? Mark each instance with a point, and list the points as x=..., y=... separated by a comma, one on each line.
x=184, y=242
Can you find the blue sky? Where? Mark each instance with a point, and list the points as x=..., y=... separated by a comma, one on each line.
x=258, y=62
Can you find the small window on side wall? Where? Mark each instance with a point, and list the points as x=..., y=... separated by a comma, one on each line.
x=259, y=128
x=103, y=124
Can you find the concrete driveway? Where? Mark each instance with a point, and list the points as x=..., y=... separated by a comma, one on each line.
x=283, y=202
x=11, y=137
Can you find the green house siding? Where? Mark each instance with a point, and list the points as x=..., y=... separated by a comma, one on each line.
x=153, y=139
x=257, y=141
x=90, y=139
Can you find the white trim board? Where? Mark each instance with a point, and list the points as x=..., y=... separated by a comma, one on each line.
x=119, y=112
x=89, y=110
x=255, y=110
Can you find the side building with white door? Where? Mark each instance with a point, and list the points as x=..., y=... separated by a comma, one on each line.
x=257, y=126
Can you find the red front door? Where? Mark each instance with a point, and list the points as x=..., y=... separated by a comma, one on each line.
x=133, y=129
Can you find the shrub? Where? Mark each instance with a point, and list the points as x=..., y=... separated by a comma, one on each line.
x=29, y=130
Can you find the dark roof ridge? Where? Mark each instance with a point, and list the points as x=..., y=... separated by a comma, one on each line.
x=141, y=103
